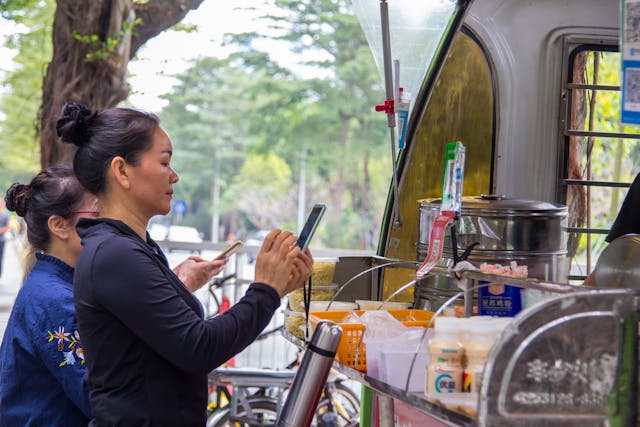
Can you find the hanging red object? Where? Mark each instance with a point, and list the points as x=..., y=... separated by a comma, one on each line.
x=387, y=107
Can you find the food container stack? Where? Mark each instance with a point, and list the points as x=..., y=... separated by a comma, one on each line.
x=322, y=292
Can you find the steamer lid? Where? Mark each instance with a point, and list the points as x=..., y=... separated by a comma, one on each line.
x=492, y=204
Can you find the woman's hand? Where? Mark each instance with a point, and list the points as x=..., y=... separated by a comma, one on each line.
x=281, y=264
x=195, y=272
x=301, y=271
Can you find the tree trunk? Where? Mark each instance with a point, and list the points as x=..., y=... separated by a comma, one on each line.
x=576, y=194
x=90, y=71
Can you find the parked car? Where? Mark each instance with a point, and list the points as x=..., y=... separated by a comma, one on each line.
x=158, y=232
x=182, y=233
x=175, y=233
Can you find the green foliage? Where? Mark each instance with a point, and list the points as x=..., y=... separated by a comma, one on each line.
x=206, y=119
x=19, y=105
x=101, y=50
x=262, y=191
x=181, y=26
x=330, y=119
x=18, y=10
x=246, y=123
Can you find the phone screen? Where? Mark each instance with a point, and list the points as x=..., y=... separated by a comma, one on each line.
x=310, y=226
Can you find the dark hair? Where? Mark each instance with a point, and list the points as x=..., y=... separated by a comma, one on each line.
x=54, y=191
x=101, y=136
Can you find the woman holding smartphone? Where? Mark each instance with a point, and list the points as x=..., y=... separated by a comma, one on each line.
x=147, y=346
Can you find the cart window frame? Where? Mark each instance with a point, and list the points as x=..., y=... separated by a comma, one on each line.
x=587, y=224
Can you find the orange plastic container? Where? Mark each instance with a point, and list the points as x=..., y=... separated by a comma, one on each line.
x=351, y=350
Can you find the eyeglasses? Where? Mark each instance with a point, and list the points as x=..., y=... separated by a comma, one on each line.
x=92, y=213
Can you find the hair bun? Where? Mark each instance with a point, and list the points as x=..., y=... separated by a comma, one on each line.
x=72, y=126
x=17, y=198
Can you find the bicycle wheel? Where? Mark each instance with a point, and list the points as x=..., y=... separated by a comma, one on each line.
x=264, y=413
x=345, y=405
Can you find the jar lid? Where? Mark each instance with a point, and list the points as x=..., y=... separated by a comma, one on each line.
x=498, y=204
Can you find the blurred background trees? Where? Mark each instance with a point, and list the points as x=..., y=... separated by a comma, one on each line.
x=256, y=143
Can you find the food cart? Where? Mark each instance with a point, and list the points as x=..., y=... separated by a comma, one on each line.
x=504, y=77
x=570, y=360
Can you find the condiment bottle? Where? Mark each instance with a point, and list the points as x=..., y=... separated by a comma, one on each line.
x=444, y=373
x=482, y=334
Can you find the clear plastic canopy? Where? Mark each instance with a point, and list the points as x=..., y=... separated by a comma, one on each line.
x=416, y=28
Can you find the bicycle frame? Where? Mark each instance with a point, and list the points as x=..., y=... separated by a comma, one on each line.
x=270, y=385
x=255, y=388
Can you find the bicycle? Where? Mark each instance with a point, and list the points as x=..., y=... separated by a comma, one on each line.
x=257, y=385
x=257, y=395
x=220, y=306
x=254, y=397
x=246, y=392
x=338, y=406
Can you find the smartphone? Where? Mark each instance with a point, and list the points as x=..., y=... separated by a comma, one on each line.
x=310, y=226
x=233, y=248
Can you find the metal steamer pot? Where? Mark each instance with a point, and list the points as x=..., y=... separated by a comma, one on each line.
x=528, y=232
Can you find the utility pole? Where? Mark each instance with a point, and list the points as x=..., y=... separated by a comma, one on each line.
x=215, y=200
x=302, y=189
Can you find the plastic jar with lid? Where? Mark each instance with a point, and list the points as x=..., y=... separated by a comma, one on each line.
x=482, y=335
x=444, y=373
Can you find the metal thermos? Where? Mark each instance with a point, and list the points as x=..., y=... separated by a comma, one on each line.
x=304, y=395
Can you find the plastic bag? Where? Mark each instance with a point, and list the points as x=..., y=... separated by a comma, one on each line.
x=380, y=324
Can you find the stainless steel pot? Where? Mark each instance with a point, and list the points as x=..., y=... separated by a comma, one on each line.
x=526, y=231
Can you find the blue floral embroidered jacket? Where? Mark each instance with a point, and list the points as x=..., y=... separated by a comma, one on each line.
x=42, y=369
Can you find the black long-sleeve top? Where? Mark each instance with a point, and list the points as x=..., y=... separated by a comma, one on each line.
x=148, y=349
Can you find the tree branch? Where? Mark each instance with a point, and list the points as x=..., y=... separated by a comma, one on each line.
x=157, y=16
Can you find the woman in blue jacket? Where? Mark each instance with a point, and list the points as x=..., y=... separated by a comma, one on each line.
x=148, y=347
x=42, y=364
